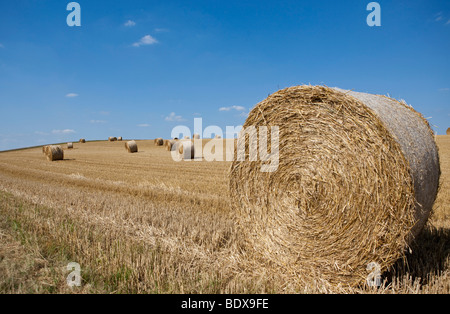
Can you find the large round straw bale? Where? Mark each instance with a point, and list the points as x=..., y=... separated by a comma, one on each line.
x=69, y=145
x=159, y=142
x=82, y=140
x=131, y=146
x=186, y=149
x=357, y=177
x=448, y=131
x=44, y=149
x=55, y=152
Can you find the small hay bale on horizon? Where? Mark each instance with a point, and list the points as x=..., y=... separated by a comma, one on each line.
x=196, y=136
x=55, y=152
x=119, y=138
x=186, y=149
x=131, y=146
x=69, y=145
x=159, y=142
x=448, y=131
x=170, y=144
x=82, y=140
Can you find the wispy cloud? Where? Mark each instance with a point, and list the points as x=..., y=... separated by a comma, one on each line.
x=66, y=131
x=71, y=95
x=1, y=45
x=441, y=18
x=40, y=133
x=129, y=23
x=143, y=125
x=173, y=117
x=145, y=41
x=161, y=30
x=97, y=121
x=444, y=89
x=237, y=108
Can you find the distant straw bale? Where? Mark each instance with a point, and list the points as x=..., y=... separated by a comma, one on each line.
x=170, y=144
x=159, y=142
x=131, y=146
x=55, y=152
x=186, y=149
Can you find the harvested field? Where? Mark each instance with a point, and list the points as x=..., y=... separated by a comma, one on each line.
x=145, y=223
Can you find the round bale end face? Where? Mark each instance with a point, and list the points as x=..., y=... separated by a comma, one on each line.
x=347, y=189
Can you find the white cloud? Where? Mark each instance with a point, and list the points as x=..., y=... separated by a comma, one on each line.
x=143, y=125
x=40, y=133
x=144, y=41
x=173, y=117
x=129, y=23
x=71, y=95
x=66, y=131
x=1, y=46
x=98, y=121
x=439, y=17
x=104, y=113
x=237, y=108
x=161, y=30
x=444, y=89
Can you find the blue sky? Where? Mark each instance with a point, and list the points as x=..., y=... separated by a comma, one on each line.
x=138, y=68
